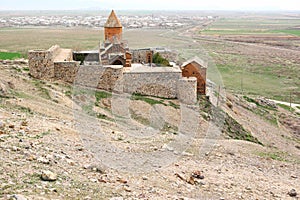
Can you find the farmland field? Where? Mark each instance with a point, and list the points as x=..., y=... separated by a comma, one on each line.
x=257, y=55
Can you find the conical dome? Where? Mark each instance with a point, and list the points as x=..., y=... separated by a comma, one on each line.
x=113, y=21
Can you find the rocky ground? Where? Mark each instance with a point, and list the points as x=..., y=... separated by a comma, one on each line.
x=45, y=155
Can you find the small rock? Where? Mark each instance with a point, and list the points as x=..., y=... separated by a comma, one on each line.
x=145, y=178
x=43, y=160
x=122, y=181
x=14, y=148
x=48, y=176
x=31, y=158
x=116, y=198
x=80, y=149
x=191, y=180
x=127, y=188
x=186, y=154
x=11, y=126
x=292, y=193
x=17, y=197
x=93, y=180
x=71, y=162
x=24, y=123
x=293, y=176
x=197, y=174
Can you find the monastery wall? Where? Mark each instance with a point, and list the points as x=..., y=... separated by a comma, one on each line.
x=41, y=64
x=66, y=71
x=110, y=76
x=187, y=90
x=160, y=84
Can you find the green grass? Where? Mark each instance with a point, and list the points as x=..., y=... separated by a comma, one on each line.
x=279, y=156
x=41, y=87
x=176, y=106
x=235, y=32
x=266, y=112
x=41, y=135
x=147, y=99
x=10, y=55
x=286, y=107
x=289, y=32
x=25, y=110
x=102, y=95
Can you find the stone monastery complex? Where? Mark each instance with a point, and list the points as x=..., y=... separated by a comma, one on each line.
x=115, y=67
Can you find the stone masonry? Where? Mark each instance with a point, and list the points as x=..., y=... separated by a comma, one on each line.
x=66, y=71
x=156, y=82
x=187, y=92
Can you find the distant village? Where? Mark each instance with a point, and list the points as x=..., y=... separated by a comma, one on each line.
x=128, y=21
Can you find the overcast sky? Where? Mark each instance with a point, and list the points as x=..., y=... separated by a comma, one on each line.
x=150, y=4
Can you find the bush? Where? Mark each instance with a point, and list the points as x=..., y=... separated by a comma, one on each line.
x=158, y=59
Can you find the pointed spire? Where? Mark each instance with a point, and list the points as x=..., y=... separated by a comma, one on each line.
x=113, y=21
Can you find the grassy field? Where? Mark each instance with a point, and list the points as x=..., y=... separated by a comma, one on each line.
x=10, y=55
x=262, y=60
x=24, y=39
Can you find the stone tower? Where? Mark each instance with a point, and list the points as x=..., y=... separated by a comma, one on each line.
x=113, y=28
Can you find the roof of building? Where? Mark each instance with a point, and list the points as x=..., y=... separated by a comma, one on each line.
x=113, y=21
x=195, y=60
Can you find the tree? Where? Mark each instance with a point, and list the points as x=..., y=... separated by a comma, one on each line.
x=159, y=60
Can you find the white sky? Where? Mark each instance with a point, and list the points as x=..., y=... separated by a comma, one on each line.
x=150, y=4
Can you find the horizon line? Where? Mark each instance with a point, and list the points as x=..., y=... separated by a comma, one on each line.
x=99, y=9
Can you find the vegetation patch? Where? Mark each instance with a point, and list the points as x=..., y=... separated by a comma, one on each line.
x=10, y=55
x=286, y=107
x=176, y=106
x=289, y=32
x=147, y=99
x=102, y=95
x=25, y=110
x=228, y=125
x=40, y=86
x=159, y=60
x=279, y=156
x=41, y=135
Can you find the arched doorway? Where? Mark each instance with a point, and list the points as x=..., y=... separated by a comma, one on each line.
x=117, y=62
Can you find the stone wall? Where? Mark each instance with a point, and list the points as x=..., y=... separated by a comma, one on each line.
x=160, y=84
x=110, y=76
x=187, y=90
x=66, y=71
x=141, y=55
x=41, y=64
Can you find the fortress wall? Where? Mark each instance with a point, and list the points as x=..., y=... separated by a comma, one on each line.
x=160, y=84
x=100, y=77
x=66, y=71
x=110, y=76
x=41, y=64
x=187, y=90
